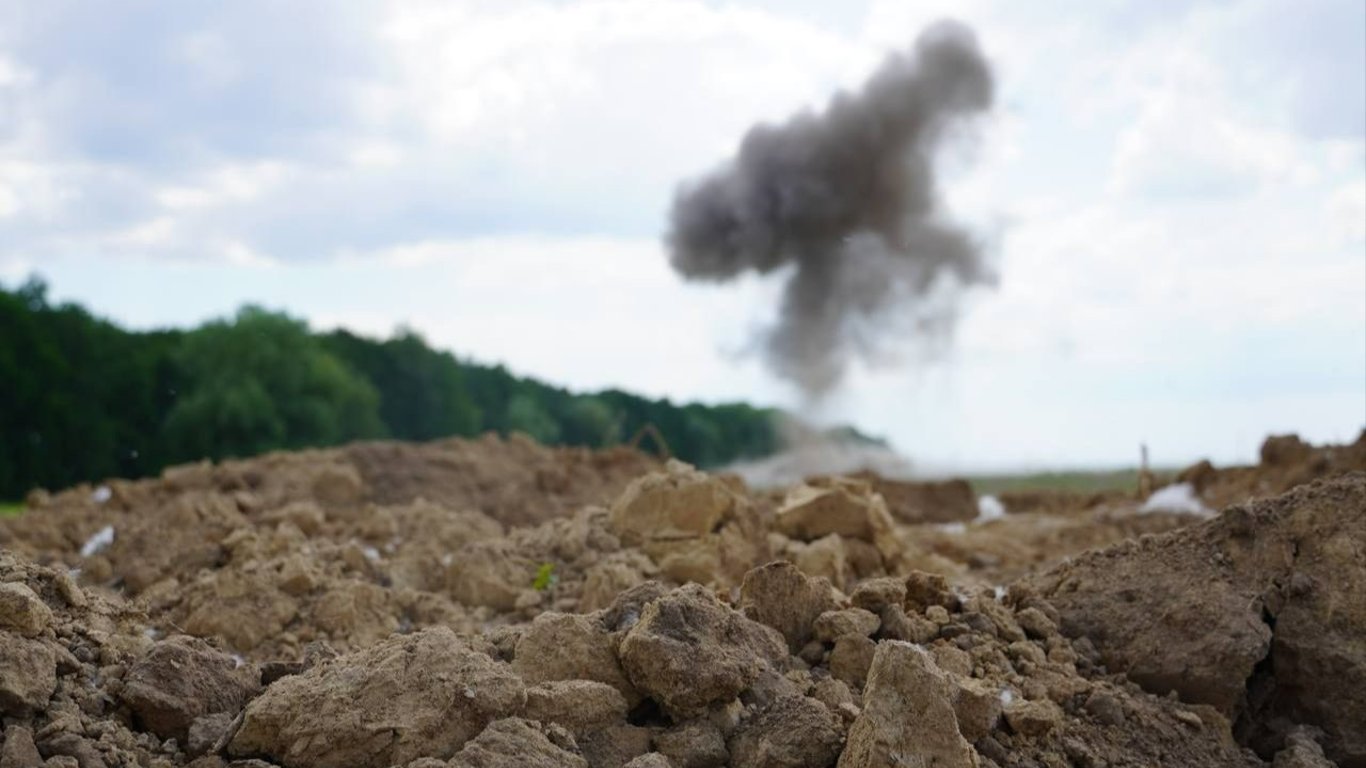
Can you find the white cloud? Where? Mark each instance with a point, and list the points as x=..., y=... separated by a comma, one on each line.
x=151, y=234
x=212, y=59
x=1175, y=192
x=12, y=75
x=1183, y=146
x=9, y=201
x=240, y=255
x=14, y=269
x=33, y=190
x=1193, y=134
x=598, y=97
x=234, y=183
x=376, y=154
x=1347, y=206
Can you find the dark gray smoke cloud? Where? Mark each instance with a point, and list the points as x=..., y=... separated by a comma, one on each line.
x=846, y=198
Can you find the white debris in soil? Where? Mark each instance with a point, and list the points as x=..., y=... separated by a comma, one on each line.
x=101, y=494
x=1007, y=696
x=447, y=559
x=1178, y=497
x=990, y=508
x=101, y=539
x=999, y=591
x=628, y=620
x=237, y=661
x=370, y=553
x=954, y=528
x=151, y=633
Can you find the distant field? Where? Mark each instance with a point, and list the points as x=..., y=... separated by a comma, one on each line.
x=1080, y=482
x=10, y=509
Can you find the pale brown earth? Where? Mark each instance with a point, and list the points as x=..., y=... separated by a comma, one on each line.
x=498, y=603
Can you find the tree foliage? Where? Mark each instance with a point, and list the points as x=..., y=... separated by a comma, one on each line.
x=261, y=382
x=79, y=398
x=423, y=391
x=82, y=399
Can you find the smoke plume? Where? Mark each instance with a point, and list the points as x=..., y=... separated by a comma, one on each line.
x=846, y=199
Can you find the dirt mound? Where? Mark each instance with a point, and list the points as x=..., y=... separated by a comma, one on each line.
x=714, y=688
x=497, y=603
x=946, y=501
x=345, y=545
x=82, y=679
x=1258, y=613
x=1286, y=461
x=516, y=481
x=512, y=481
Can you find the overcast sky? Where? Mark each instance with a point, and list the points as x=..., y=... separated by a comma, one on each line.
x=1175, y=194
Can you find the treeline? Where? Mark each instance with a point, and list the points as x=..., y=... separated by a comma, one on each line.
x=82, y=399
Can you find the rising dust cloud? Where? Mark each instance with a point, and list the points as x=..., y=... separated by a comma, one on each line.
x=846, y=200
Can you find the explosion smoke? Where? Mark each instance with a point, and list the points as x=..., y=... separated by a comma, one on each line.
x=847, y=198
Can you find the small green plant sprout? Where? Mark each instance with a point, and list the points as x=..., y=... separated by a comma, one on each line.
x=545, y=577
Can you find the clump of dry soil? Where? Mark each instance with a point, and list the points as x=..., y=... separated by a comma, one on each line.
x=498, y=603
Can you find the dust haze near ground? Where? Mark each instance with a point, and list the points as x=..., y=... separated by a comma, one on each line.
x=807, y=451
x=846, y=199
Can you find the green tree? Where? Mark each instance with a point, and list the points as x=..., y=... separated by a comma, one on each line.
x=82, y=399
x=527, y=414
x=590, y=421
x=423, y=394
x=491, y=388
x=262, y=382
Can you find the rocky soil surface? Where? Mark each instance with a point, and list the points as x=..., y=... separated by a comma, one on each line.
x=497, y=603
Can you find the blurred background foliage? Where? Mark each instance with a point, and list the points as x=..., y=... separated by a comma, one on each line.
x=82, y=399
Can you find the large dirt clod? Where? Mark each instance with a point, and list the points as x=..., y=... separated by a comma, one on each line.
x=1302, y=750
x=908, y=716
x=1257, y=612
x=518, y=743
x=679, y=503
x=246, y=609
x=492, y=574
x=845, y=507
x=19, y=751
x=577, y=705
x=562, y=646
x=792, y=732
x=28, y=674
x=688, y=652
x=1286, y=461
x=781, y=596
x=419, y=695
x=696, y=526
x=22, y=611
x=947, y=501
x=832, y=625
x=695, y=744
x=184, y=678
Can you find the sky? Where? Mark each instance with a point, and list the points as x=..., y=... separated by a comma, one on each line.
x=1173, y=194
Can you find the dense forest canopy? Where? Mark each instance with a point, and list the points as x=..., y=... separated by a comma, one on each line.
x=82, y=399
